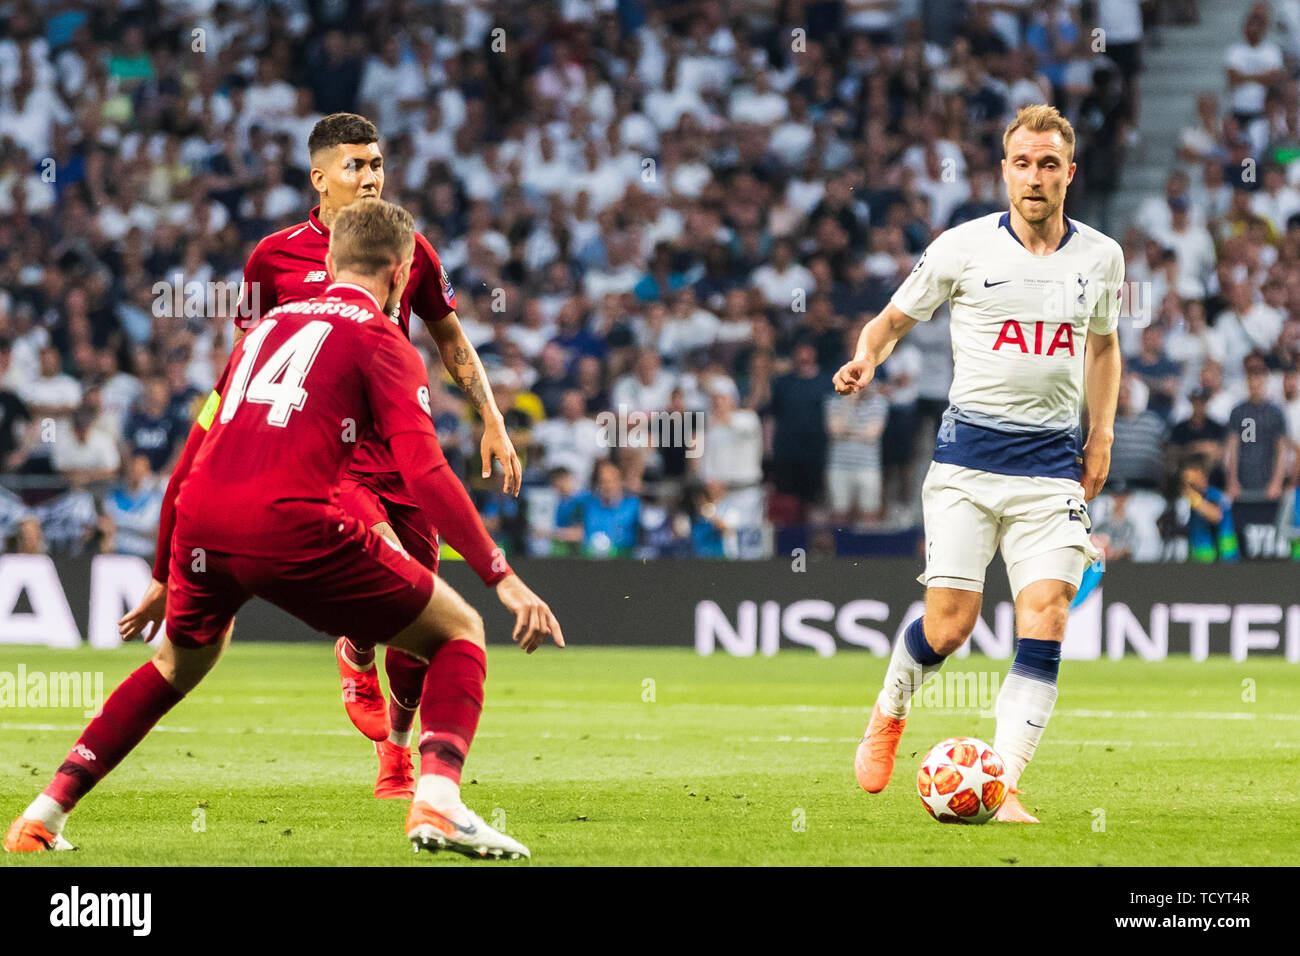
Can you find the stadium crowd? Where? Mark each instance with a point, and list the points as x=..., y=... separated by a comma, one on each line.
x=665, y=223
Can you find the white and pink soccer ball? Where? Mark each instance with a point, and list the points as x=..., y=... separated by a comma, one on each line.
x=960, y=781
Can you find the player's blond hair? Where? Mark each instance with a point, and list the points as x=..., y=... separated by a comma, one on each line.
x=369, y=235
x=1041, y=118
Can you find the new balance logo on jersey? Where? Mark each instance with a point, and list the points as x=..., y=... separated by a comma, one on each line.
x=316, y=275
x=1013, y=334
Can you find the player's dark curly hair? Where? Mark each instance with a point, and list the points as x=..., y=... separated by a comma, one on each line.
x=339, y=128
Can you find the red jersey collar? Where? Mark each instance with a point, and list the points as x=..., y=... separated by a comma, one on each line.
x=348, y=287
x=313, y=220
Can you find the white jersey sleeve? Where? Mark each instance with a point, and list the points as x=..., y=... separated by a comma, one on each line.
x=931, y=281
x=1105, y=318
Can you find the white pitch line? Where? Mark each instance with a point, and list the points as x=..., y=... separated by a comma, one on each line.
x=865, y=710
x=232, y=731
x=632, y=738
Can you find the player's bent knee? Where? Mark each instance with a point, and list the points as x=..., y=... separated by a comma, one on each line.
x=471, y=629
x=1043, y=621
x=185, y=667
x=447, y=617
x=950, y=616
x=946, y=635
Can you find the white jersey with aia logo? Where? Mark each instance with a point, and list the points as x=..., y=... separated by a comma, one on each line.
x=1019, y=327
x=1019, y=324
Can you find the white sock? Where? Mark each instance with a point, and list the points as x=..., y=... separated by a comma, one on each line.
x=401, y=738
x=49, y=812
x=441, y=793
x=903, y=679
x=1023, y=709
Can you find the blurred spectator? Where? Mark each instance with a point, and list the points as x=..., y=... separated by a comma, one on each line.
x=900, y=383
x=732, y=459
x=609, y=517
x=183, y=399
x=646, y=389
x=855, y=424
x=83, y=453
x=54, y=394
x=565, y=528
x=799, y=440
x=1193, y=248
x=1256, y=458
x=1253, y=66
x=14, y=415
x=1137, y=455
x=131, y=511
x=1199, y=434
x=1208, y=519
x=553, y=380
x=1157, y=371
x=20, y=529
x=1122, y=527
x=152, y=429
x=570, y=441
x=783, y=282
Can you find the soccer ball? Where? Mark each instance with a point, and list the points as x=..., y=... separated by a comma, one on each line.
x=960, y=781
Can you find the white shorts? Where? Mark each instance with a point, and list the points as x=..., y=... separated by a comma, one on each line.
x=852, y=489
x=1041, y=525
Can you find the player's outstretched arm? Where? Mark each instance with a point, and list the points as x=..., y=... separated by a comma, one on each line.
x=1101, y=374
x=146, y=617
x=462, y=362
x=534, y=620
x=875, y=343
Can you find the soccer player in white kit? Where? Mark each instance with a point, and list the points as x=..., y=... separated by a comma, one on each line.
x=1034, y=300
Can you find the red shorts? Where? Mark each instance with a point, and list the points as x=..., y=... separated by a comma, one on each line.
x=379, y=496
x=359, y=585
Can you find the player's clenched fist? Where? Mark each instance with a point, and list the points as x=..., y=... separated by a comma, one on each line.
x=534, y=621
x=854, y=375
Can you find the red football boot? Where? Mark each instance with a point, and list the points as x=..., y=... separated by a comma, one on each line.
x=362, y=697
x=396, y=773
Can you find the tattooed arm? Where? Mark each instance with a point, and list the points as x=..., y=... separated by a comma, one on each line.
x=463, y=363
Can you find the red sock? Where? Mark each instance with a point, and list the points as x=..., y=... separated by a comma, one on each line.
x=450, y=707
x=360, y=653
x=129, y=714
x=405, y=687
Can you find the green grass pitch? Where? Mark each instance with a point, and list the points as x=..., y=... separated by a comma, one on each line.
x=620, y=756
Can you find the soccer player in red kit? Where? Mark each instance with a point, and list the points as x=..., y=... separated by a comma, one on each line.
x=299, y=391
x=289, y=266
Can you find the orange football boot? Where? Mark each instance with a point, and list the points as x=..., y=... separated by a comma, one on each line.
x=1013, y=811
x=362, y=697
x=874, y=761
x=31, y=836
x=460, y=830
x=396, y=774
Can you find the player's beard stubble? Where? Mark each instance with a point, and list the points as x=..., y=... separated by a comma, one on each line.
x=1036, y=212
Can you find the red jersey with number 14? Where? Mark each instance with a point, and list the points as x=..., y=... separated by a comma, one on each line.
x=299, y=392
x=289, y=266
